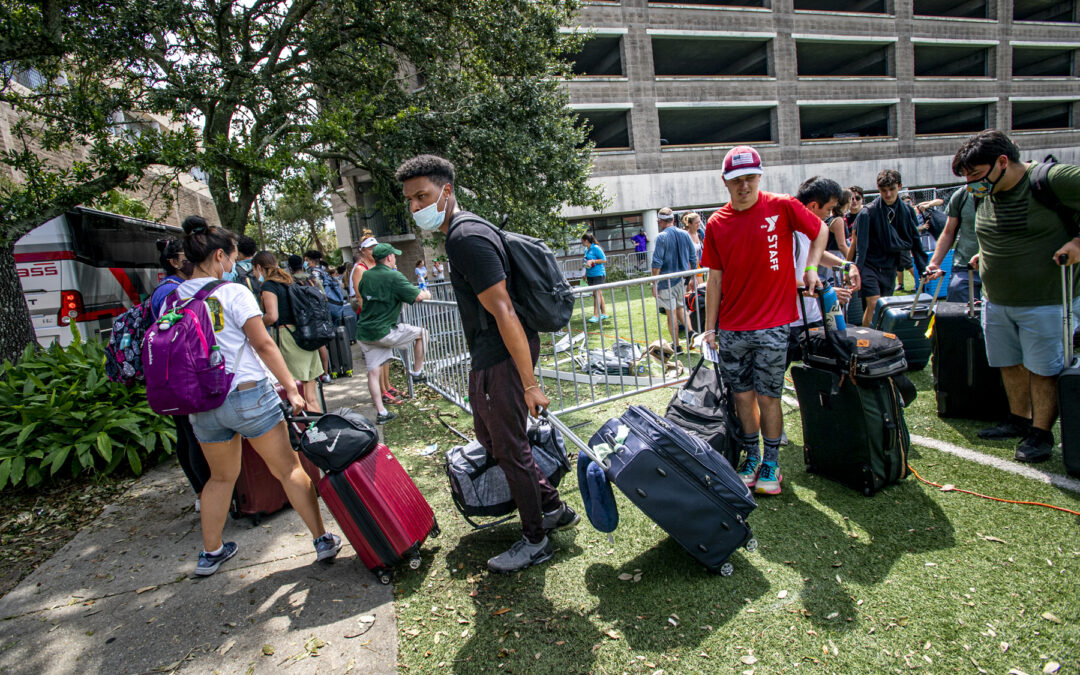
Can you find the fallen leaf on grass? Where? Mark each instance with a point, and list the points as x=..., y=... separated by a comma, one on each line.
x=993, y=539
x=144, y=589
x=781, y=595
x=498, y=612
x=1016, y=671
x=832, y=616
x=1050, y=617
x=625, y=576
x=1004, y=647
x=612, y=634
x=749, y=659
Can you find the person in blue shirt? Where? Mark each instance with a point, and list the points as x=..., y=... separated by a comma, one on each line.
x=673, y=252
x=595, y=274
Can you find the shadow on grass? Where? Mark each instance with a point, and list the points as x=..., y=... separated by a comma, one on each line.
x=677, y=603
x=846, y=539
x=515, y=620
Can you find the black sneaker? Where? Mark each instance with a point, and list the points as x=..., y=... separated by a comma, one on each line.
x=383, y=418
x=521, y=555
x=562, y=518
x=1036, y=446
x=1014, y=427
x=418, y=378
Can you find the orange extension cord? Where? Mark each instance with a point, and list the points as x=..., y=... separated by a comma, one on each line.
x=995, y=499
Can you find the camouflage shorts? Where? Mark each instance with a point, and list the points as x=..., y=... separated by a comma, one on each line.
x=753, y=360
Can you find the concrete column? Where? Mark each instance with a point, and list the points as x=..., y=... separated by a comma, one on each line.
x=652, y=229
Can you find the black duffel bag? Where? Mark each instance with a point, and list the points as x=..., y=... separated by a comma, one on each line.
x=337, y=439
x=705, y=407
x=478, y=485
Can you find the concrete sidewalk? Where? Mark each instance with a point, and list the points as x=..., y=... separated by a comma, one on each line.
x=122, y=597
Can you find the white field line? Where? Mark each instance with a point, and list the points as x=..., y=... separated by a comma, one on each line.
x=1025, y=470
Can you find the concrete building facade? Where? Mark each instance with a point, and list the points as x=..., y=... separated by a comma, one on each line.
x=819, y=87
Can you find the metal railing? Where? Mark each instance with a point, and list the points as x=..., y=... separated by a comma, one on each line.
x=584, y=365
x=632, y=265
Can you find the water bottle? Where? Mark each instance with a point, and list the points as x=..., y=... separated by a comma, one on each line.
x=125, y=342
x=834, y=318
x=216, y=359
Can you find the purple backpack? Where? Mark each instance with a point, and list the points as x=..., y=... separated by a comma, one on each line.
x=176, y=358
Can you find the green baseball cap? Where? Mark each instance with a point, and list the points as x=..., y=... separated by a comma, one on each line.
x=383, y=250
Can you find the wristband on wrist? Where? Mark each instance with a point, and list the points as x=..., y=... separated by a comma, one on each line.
x=809, y=268
x=535, y=386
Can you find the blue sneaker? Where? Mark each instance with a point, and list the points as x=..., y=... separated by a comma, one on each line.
x=208, y=564
x=748, y=471
x=327, y=546
x=768, y=481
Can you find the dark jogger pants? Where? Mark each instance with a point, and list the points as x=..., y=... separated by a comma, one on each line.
x=499, y=417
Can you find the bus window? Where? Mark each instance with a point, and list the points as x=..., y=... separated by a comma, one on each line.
x=115, y=242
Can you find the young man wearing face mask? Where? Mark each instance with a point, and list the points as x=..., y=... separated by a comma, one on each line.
x=502, y=387
x=1020, y=241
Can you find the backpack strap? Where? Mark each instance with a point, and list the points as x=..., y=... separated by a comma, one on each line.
x=1043, y=192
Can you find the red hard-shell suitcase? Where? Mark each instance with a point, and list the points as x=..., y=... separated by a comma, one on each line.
x=257, y=493
x=380, y=510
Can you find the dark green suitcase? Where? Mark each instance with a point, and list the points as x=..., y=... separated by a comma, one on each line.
x=853, y=433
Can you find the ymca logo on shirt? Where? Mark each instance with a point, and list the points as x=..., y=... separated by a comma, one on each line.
x=773, y=241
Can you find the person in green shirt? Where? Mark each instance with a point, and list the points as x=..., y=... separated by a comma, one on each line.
x=380, y=292
x=1020, y=243
x=960, y=228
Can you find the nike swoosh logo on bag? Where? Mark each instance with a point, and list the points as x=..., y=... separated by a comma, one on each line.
x=334, y=444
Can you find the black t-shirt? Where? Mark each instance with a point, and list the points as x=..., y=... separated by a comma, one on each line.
x=478, y=261
x=285, y=315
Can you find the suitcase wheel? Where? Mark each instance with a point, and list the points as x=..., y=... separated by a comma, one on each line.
x=435, y=529
x=385, y=576
x=415, y=562
x=727, y=569
x=752, y=544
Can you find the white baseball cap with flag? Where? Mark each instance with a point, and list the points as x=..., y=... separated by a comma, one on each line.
x=370, y=241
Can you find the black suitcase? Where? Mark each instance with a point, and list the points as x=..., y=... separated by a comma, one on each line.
x=853, y=432
x=964, y=383
x=341, y=360
x=909, y=320
x=705, y=407
x=856, y=351
x=679, y=481
x=1069, y=382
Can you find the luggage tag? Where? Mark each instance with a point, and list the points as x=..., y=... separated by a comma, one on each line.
x=710, y=353
x=693, y=398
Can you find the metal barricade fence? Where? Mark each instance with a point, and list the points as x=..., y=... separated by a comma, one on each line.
x=584, y=365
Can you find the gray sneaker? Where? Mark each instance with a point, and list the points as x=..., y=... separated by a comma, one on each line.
x=562, y=518
x=521, y=555
x=208, y=564
x=327, y=546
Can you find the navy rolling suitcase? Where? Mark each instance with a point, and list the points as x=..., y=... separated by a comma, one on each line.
x=964, y=383
x=1069, y=382
x=908, y=318
x=679, y=481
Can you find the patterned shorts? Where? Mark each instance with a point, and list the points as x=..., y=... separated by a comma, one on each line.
x=754, y=360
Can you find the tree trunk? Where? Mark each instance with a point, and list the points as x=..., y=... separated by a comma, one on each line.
x=14, y=314
x=318, y=242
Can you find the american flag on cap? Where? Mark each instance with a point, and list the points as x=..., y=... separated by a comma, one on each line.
x=741, y=161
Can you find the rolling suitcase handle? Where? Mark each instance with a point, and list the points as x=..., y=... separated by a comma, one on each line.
x=1067, y=307
x=918, y=292
x=569, y=435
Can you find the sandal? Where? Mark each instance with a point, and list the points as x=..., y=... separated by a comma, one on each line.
x=390, y=399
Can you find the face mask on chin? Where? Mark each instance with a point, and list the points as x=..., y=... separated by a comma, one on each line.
x=229, y=275
x=430, y=217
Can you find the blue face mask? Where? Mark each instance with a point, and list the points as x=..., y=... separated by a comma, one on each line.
x=261, y=279
x=230, y=275
x=984, y=186
x=430, y=217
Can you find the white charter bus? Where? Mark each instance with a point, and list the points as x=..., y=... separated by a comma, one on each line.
x=86, y=267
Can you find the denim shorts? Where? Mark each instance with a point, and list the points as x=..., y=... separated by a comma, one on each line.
x=250, y=413
x=1032, y=336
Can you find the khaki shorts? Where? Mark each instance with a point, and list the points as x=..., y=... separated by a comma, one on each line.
x=402, y=336
x=672, y=297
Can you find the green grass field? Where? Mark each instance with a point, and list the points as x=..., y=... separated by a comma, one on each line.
x=913, y=578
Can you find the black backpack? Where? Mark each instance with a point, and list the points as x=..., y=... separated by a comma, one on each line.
x=537, y=287
x=311, y=316
x=1044, y=194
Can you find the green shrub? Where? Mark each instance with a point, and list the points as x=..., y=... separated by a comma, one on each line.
x=59, y=412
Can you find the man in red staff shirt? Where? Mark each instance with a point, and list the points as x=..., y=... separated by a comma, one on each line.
x=750, y=300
